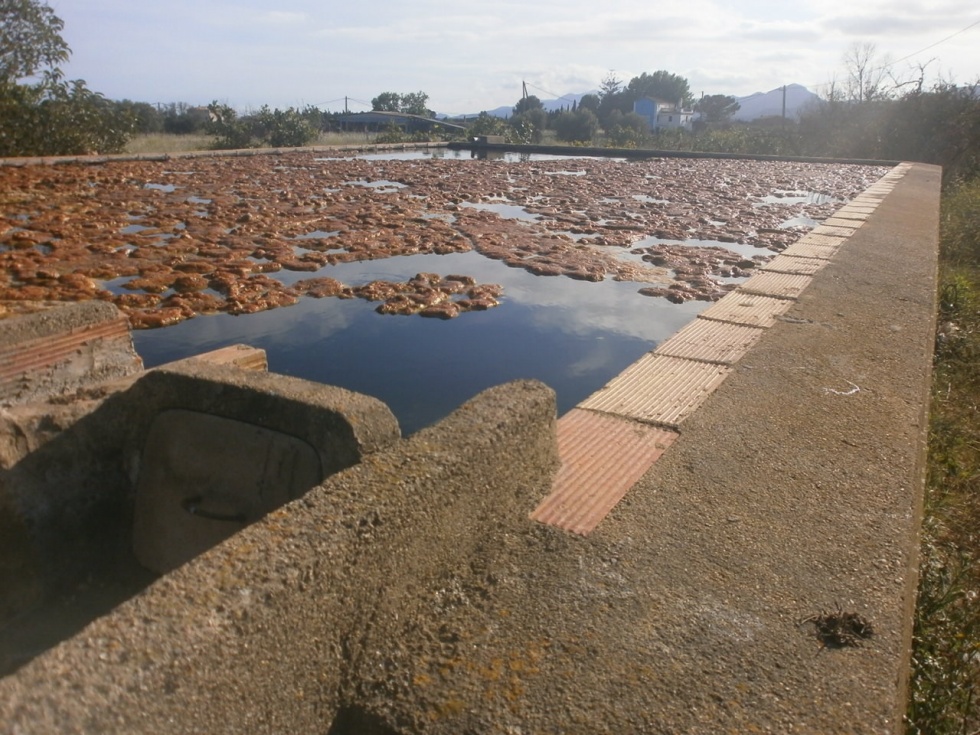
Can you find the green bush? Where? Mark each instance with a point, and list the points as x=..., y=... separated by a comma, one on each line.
x=56, y=117
x=391, y=133
x=580, y=126
x=627, y=130
x=264, y=129
x=487, y=124
x=52, y=116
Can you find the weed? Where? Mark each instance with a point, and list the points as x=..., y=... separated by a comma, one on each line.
x=945, y=682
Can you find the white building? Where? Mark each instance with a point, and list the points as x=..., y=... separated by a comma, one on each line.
x=662, y=115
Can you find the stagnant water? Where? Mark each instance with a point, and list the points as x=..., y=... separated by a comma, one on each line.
x=572, y=335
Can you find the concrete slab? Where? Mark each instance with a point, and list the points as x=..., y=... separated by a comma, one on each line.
x=778, y=285
x=842, y=223
x=749, y=309
x=658, y=389
x=815, y=246
x=245, y=357
x=711, y=341
x=794, y=264
x=838, y=230
x=63, y=348
x=855, y=211
x=602, y=458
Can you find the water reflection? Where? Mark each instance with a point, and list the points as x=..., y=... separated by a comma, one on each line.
x=743, y=249
x=572, y=335
x=504, y=211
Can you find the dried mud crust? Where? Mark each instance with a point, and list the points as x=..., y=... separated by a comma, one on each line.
x=205, y=235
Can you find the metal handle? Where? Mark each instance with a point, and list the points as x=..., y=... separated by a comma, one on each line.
x=193, y=506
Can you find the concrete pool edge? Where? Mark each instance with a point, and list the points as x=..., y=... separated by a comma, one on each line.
x=668, y=384
x=805, y=471
x=413, y=595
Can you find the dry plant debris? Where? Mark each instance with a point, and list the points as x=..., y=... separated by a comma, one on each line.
x=840, y=628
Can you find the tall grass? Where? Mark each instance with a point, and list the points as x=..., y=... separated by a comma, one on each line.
x=945, y=684
x=169, y=143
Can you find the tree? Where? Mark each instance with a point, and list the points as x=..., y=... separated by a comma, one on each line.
x=179, y=118
x=413, y=103
x=30, y=39
x=660, y=85
x=146, y=117
x=865, y=73
x=487, y=124
x=579, y=126
x=610, y=85
x=527, y=104
x=276, y=128
x=51, y=116
x=589, y=102
x=529, y=126
x=386, y=102
x=717, y=108
x=612, y=105
x=60, y=119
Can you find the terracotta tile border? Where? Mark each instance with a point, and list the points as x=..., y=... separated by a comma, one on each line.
x=609, y=441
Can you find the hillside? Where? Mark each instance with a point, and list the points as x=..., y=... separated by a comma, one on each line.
x=754, y=106
x=766, y=104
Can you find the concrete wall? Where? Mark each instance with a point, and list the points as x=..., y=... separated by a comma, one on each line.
x=62, y=348
x=68, y=490
x=412, y=594
x=268, y=631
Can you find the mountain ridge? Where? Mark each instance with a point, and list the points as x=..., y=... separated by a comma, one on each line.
x=751, y=107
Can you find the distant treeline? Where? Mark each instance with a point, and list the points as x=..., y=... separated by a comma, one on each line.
x=180, y=118
x=939, y=125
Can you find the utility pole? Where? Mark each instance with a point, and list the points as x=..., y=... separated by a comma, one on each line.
x=524, y=87
x=784, y=109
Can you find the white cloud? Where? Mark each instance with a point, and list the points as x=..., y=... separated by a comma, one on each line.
x=280, y=17
x=473, y=56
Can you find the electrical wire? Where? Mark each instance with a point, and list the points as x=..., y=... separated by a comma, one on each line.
x=932, y=46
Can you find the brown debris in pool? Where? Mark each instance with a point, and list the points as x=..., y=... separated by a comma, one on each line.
x=169, y=226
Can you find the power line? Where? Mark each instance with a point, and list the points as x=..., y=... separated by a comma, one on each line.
x=345, y=100
x=555, y=96
x=890, y=64
x=931, y=46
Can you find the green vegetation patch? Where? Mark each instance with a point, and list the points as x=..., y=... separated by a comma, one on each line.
x=945, y=683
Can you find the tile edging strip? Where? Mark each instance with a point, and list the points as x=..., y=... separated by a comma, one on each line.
x=573, y=504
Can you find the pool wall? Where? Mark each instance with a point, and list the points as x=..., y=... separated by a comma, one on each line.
x=413, y=593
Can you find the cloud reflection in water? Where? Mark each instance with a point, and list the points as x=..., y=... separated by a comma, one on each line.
x=573, y=335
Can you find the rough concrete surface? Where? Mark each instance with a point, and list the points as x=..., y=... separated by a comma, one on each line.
x=62, y=349
x=412, y=593
x=264, y=632
x=69, y=473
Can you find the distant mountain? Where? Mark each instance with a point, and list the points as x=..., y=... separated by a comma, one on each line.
x=549, y=105
x=760, y=104
x=765, y=104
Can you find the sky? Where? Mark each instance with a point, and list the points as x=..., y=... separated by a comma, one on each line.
x=469, y=55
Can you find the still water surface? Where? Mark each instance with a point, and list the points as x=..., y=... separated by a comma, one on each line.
x=572, y=335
